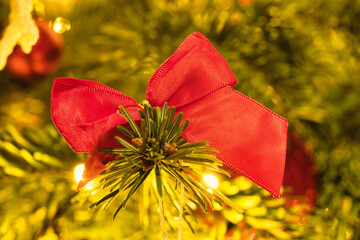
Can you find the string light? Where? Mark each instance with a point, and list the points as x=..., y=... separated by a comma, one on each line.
x=211, y=180
x=90, y=186
x=78, y=172
x=61, y=25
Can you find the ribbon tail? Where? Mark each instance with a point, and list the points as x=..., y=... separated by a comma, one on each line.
x=96, y=161
x=251, y=139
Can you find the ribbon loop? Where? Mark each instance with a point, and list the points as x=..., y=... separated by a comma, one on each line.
x=83, y=110
x=195, y=70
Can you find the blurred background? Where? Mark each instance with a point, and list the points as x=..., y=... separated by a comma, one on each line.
x=301, y=59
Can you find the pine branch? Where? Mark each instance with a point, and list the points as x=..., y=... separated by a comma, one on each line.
x=34, y=152
x=155, y=145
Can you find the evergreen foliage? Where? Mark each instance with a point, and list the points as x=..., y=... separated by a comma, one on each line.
x=299, y=58
x=157, y=145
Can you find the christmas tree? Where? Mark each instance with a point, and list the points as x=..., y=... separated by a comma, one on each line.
x=298, y=58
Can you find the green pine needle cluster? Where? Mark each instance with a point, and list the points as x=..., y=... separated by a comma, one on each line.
x=157, y=145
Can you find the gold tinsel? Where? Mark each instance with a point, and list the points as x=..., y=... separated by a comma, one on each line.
x=21, y=30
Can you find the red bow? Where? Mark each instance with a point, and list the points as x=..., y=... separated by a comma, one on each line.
x=195, y=79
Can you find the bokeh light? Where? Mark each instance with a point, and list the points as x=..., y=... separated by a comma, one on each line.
x=78, y=172
x=211, y=180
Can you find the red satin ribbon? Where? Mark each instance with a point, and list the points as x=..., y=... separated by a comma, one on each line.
x=195, y=79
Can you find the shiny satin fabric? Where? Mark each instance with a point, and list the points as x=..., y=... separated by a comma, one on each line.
x=196, y=79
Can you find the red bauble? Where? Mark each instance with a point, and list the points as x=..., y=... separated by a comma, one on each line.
x=245, y=3
x=43, y=60
x=300, y=171
x=300, y=178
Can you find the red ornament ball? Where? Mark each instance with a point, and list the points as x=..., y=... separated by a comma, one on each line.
x=300, y=176
x=245, y=3
x=300, y=170
x=43, y=60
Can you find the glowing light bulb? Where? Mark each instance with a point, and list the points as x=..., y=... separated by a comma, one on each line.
x=89, y=185
x=78, y=172
x=211, y=180
x=61, y=25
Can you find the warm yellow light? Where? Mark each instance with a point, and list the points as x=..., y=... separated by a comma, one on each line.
x=211, y=180
x=39, y=7
x=89, y=185
x=61, y=25
x=57, y=27
x=78, y=172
